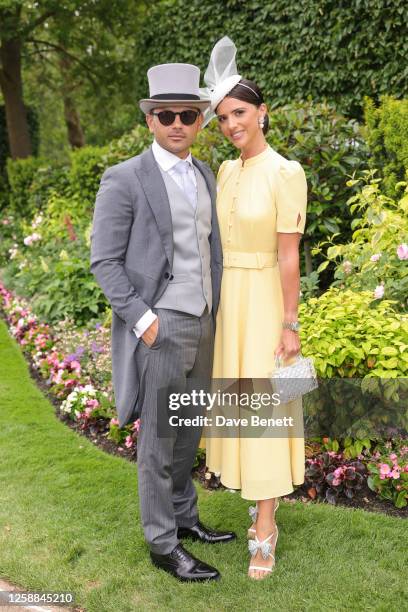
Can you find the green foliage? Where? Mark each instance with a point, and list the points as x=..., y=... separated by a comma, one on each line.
x=292, y=50
x=380, y=226
x=350, y=336
x=57, y=280
x=80, y=50
x=21, y=174
x=87, y=166
x=387, y=137
x=309, y=286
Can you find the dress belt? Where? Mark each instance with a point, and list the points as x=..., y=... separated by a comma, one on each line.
x=238, y=259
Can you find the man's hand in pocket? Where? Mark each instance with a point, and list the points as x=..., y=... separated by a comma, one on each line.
x=151, y=332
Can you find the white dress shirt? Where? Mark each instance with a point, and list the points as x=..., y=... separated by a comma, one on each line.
x=167, y=161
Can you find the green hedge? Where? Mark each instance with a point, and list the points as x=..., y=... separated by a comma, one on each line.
x=341, y=51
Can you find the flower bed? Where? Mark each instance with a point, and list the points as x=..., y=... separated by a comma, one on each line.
x=75, y=367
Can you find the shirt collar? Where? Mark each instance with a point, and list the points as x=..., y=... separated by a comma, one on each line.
x=165, y=159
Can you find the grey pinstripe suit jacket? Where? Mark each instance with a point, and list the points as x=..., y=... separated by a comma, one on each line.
x=131, y=258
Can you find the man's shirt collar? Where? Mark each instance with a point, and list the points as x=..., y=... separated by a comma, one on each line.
x=165, y=159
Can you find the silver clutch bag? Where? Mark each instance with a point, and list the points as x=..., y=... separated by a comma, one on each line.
x=295, y=380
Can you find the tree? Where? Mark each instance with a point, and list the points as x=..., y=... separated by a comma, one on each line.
x=82, y=38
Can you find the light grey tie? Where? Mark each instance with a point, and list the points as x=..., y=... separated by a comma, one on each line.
x=189, y=188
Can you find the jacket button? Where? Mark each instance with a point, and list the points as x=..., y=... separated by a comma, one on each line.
x=166, y=275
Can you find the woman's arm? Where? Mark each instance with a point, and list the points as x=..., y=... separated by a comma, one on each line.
x=288, y=261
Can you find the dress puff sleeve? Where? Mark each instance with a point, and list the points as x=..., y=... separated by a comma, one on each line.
x=291, y=198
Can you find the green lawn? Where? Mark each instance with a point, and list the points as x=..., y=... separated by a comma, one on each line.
x=69, y=521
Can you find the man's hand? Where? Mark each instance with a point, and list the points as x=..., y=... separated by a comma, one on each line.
x=151, y=332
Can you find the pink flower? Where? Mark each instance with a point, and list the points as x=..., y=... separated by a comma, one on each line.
x=93, y=403
x=69, y=382
x=384, y=468
x=57, y=378
x=129, y=442
x=402, y=251
x=393, y=457
x=379, y=292
x=382, y=477
x=336, y=482
x=394, y=474
x=338, y=472
x=136, y=425
x=88, y=410
x=375, y=257
x=75, y=365
x=114, y=421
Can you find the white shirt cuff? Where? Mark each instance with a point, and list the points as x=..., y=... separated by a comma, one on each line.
x=144, y=323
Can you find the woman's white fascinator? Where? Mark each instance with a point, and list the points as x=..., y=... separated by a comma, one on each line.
x=221, y=75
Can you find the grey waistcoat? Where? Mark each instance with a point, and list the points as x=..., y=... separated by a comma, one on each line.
x=190, y=288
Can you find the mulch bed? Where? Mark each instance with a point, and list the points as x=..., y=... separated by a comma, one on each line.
x=97, y=433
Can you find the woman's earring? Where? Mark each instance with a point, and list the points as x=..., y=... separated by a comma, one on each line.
x=261, y=123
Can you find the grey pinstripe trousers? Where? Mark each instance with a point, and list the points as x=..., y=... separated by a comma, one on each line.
x=182, y=351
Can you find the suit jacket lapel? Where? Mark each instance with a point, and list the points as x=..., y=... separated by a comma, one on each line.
x=153, y=185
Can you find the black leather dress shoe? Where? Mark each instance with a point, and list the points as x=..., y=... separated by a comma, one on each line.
x=184, y=566
x=205, y=534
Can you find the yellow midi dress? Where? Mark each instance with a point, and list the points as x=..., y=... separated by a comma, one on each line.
x=257, y=198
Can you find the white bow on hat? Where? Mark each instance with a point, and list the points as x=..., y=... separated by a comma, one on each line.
x=221, y=75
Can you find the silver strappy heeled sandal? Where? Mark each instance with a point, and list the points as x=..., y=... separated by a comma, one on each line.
x=253, y=513
x=265, y=547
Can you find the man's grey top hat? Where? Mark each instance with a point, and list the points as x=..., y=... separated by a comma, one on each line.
x=171, y=84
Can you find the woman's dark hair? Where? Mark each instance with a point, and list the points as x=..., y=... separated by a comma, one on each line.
x=248, y=91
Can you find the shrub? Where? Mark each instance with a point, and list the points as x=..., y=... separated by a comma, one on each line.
x=21, y=173
x=376, y=258
x=349, y=334
x=387, y=138
x=388, y=473
x=87, y=166
x=330, y=476
x=59, y=284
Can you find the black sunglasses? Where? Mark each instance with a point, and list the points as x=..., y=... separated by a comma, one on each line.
x=167, y=117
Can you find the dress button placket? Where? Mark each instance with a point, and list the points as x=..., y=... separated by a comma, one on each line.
x=231, y=212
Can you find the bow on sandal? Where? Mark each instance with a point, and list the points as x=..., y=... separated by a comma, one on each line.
x=253, y=513
x=265, y=547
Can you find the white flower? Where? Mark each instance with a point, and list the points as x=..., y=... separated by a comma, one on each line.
x=37, y=221
x=375, y=257
x=28, y=240
x=379, y=292
x=347, y=267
